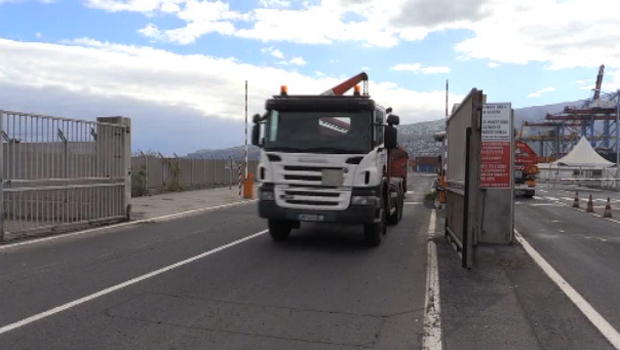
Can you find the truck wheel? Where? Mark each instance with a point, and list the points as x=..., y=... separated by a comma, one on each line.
x=373, y=232
x=279, y=230
x=398, y=213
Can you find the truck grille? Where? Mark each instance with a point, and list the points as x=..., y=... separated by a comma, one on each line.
x=302, y=188
x=303, y=177
x=315, y=197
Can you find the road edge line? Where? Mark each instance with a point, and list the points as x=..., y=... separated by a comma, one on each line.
x=598, y=321
x=432, y=303
x=82, y=300
x=162, y=218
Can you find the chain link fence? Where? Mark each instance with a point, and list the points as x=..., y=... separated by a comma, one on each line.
x=154, y=173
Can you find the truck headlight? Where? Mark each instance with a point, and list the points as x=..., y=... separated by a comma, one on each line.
x=365, y=200
x=266, y=195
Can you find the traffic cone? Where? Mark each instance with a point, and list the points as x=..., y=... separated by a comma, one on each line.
x=607, y=213
x=576, y=202
x=590, y=208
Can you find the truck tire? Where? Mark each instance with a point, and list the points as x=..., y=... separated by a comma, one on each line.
x=394, y=219
x=374, y=232
x=279, y=230
x=402, y=206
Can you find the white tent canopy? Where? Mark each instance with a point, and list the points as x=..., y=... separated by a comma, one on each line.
x=583, y=155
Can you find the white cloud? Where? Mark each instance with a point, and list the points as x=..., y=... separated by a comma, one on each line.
x=210, y=86
x=493, y=64
x=365, y=69
x=273, y=52
x=541, y=91
x=298, y=61
x=566, y=34
x=577, y=34
x=170, y=7
x=417, y=67
x=611, y=82
x=38, y=35
x=320, y=74
x=274, y=3
x=201, y=17
x=150, y=31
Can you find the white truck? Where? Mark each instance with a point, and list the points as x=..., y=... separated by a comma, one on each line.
x=324, y=158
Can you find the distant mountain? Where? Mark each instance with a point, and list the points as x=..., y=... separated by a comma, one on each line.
x=416, y=138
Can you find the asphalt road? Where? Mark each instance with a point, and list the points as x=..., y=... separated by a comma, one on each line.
x=583, y=248
x=322, y=289
x=566, y=195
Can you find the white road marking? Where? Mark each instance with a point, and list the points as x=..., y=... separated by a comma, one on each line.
x=599, y=200
x=432, y=305
x=410, y=192
x=69, y=305
x=413, y=203
x=606, y=329
x=581, y=210
x=536, y=197
x=125, y=224
x=551, y=198
x=545, y=205
x=543, y=191
x=568, y=199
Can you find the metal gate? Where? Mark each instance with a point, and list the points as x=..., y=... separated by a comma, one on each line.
x=463, y=176
x=58, y=173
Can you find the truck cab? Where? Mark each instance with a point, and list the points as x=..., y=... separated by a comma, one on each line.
x=325, y=159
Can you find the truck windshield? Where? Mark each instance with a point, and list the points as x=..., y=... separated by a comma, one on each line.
x=319, y=132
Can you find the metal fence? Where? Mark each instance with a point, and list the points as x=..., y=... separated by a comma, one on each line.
x=463, y=175
x=158, y=173
x=572, y=178
x=59, y=172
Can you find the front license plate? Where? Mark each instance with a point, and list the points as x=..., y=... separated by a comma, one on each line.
x=310, y=217
x=332, y=177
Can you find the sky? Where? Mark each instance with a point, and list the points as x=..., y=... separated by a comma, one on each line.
x=177, y=68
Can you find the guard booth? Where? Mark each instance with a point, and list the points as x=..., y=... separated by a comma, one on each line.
x=479, y=175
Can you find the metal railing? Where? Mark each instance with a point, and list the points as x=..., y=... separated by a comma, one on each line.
x=59, y=172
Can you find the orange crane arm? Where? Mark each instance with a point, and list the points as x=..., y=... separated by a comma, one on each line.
x=345, y=86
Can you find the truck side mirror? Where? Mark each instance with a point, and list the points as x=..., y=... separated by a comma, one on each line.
x=393, y=120
x=390, y=140
x=256, y=135
x=256, y=118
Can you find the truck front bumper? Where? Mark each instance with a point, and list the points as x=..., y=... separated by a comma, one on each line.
x=355, y=214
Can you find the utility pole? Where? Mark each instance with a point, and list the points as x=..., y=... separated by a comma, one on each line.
x=447, y=99
x=617, y=139
x=246, y=129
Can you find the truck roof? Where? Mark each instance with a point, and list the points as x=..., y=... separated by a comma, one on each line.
x=320, y=103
